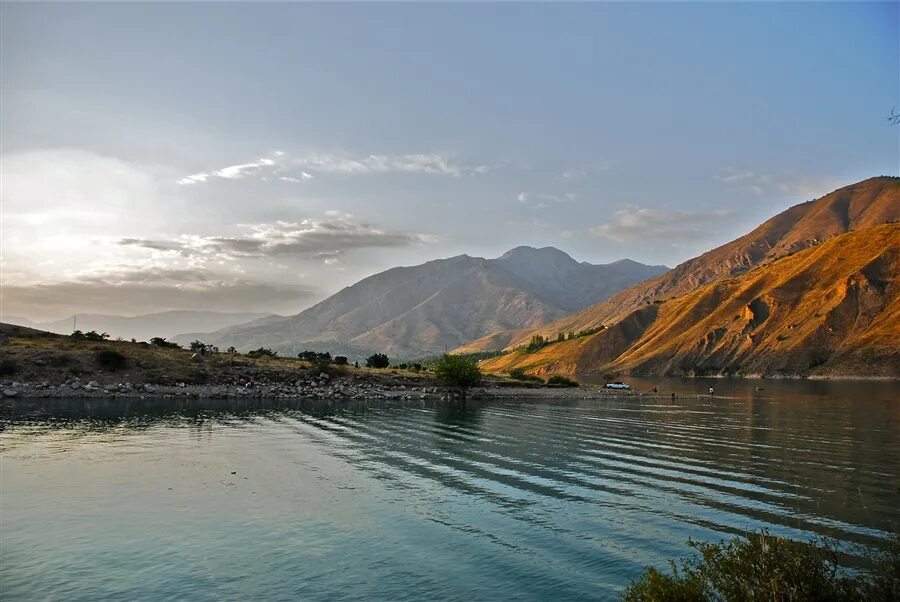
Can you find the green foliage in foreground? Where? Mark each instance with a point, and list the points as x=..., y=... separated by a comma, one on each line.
x=458, y=371
x=765, y=567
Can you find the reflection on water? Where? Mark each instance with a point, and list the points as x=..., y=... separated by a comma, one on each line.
x=240, y=499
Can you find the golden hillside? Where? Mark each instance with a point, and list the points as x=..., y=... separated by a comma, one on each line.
x=833, y=309
x=870, y=202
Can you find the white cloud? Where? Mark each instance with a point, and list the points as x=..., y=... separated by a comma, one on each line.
x=304, y=177
x=796, y=187
x=311, y=238
x=286, y=166
x=539, y=200
x=235, y=172
x=644, y=223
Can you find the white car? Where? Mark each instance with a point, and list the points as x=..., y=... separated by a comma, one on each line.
x=618, y=385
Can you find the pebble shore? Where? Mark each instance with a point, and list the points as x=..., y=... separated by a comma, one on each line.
x=322, y=386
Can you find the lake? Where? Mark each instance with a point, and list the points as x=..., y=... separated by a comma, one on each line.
x=531, y=500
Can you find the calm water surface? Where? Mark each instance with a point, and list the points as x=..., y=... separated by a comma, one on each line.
x=106, y=500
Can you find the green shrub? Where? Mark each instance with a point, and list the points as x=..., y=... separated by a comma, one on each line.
x=341, y=360
x=378, y=360
x=162, y=342
x=561, y=381
x=458, y=371
x=761, y=566
x=315, y=356
x=520, y=374
x=111, y=360
x=262, y=352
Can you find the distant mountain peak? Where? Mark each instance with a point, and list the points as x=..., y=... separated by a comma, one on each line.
x=525, y=251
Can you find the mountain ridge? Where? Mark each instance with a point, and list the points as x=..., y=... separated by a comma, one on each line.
x=439, y=304
x=828, y=310
x=868, y=202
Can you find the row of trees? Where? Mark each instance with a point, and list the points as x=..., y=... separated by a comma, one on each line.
x=538, y=341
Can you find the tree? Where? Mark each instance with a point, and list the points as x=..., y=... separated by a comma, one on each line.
x=560, y=337
x=231, y=350
x=537, y=341
x=458, y=371
x=91, y=335
x=315, y=356
x=378, y=360
x=341, y=360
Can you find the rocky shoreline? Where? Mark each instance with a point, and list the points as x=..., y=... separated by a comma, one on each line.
x=322, y=386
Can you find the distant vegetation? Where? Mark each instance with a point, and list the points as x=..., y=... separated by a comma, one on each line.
x=91, y=335
x=203, y=348
x=539, y=342
x=458, y=371
x=315, y=356
x=162, y=342
x=378, y=360
x=262, y=352
x=765, y=567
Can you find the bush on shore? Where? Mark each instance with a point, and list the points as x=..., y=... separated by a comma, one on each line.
x=761, y=566
x=378, y=360
x=457, y=371
x=561, y=381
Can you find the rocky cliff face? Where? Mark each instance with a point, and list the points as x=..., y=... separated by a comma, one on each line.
x=833, y=309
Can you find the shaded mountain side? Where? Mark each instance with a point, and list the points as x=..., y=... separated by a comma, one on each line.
x=831, y=310
x=438, y=305
x=870, y=202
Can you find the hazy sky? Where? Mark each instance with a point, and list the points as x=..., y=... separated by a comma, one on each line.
x=250, y=156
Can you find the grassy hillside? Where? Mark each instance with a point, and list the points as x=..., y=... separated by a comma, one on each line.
x=833, y=309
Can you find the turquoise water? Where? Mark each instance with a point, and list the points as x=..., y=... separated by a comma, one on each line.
x=140, y=500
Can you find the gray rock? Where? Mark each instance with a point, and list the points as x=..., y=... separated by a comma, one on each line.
x=10, y=393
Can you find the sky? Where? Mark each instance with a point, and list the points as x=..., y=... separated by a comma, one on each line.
x=260, y=157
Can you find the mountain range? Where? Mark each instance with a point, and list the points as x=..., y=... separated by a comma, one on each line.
x=810, y=291
x=440, y=305
x=165, y=324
